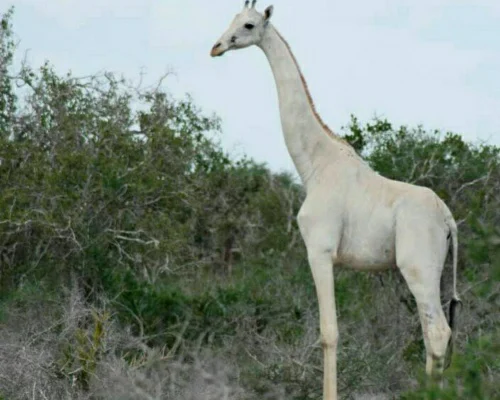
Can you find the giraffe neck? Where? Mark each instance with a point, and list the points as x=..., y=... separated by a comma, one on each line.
x=310, y=142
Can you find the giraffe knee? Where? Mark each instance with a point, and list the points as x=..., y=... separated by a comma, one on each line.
x=329, y=338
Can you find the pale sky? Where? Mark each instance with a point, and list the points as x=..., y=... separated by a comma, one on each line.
x=430, y=62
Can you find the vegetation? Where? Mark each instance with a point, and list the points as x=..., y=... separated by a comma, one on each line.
x=138, y=260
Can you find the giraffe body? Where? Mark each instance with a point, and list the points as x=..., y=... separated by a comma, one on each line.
x=352, y=216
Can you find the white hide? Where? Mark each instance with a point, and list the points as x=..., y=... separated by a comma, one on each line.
x=352, y=216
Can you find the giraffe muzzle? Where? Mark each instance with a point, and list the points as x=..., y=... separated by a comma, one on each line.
x=218, y=50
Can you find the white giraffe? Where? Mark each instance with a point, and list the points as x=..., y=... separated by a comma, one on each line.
x=351, y=215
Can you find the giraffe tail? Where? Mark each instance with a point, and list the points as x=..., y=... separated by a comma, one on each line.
x=455, y=300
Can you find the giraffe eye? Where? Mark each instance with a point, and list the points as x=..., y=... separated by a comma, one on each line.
x=249, y=26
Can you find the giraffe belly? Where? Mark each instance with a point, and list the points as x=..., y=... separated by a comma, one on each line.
x=368, y=253
x=368, y=264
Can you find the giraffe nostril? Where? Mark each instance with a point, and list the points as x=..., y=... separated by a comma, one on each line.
x=217, y=45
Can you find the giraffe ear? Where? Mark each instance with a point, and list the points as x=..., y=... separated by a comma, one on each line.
x=268, y=13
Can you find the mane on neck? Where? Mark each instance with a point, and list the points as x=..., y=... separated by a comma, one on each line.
x=326, y=128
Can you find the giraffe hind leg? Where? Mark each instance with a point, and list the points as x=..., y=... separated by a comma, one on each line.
x=424, y=285
x=421, y=251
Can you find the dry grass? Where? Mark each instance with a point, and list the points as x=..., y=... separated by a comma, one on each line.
x=42, y=357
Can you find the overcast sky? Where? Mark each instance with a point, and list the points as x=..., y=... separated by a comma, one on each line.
x=430, y=62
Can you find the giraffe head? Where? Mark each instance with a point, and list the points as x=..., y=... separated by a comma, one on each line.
x=247, y=29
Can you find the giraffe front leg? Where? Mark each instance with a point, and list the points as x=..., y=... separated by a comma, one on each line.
x=321, y=264
x=320, y=235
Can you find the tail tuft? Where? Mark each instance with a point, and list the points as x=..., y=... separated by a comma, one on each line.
x=451, y=321
x=453, y=312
